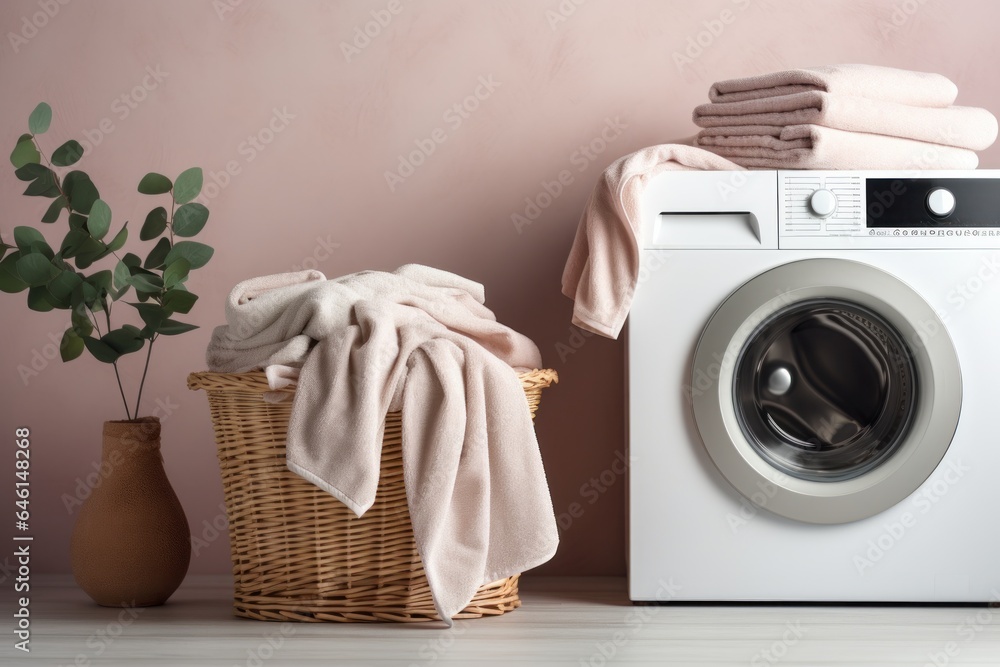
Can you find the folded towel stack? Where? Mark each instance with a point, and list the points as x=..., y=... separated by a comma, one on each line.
x=843, y=117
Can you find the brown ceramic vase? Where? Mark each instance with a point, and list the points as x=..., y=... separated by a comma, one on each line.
x=131, y=545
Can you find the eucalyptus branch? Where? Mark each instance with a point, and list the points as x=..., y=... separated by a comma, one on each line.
x=128, y=415
x=97, y=326
x=48, y=163
x=145, y=369
x=170, y=225
x=55, y=278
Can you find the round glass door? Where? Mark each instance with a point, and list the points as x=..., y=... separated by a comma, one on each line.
x=825, y=390
x=829, y=395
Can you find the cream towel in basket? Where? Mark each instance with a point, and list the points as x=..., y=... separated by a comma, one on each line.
x=421, y=340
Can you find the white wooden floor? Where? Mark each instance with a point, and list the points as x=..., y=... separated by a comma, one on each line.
x=564, y=621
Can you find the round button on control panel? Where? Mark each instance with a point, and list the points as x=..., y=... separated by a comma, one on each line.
x=823, y=203
x=940, y=202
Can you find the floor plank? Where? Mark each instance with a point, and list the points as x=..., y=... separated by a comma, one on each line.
x=564, y=621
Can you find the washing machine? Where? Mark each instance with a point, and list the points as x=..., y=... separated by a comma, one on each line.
x=813, y=384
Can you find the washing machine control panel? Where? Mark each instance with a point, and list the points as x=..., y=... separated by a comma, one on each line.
x=932, y=203
x=888, y=209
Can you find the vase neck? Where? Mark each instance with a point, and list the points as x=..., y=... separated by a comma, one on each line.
x=134, y=436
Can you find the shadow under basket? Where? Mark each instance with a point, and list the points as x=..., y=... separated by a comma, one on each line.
x=299, y=554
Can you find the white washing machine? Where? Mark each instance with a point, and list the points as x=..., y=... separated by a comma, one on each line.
x=814, y=388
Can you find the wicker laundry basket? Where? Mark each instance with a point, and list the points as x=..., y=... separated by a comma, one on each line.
x=298, y=553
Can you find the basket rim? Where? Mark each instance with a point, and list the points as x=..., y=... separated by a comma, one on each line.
x=256, y=381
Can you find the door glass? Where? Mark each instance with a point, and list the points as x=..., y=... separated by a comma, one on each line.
x=825, y=390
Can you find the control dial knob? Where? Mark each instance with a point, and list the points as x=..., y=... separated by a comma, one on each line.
x=940, y=202
x=823, y=203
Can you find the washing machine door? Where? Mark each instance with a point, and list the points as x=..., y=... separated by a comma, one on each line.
x=836, y=390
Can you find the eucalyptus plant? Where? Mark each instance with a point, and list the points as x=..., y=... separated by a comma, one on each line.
x=59, y=279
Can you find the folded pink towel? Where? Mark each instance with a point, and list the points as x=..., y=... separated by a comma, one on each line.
x=817, y=147
x=603, y=264
x=875, y=83
x=964, y=127
x=422, y=341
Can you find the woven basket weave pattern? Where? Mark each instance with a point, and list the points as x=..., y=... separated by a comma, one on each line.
x=298, y=553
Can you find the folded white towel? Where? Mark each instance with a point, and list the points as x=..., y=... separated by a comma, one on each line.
x=964, y=127
x=920, y=89
x=420, y=340
x=816, y=147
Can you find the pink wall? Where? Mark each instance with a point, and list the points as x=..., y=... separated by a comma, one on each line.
x=317, y=194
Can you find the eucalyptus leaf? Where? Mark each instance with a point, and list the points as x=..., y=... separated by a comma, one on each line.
x=190, y=219
x=178, y=301
x=85, y=259
x=197, y=254
x=81, y=322
x=86, y=251
x=188, y=185
x=43, y=186
x=99, y=221
x=176, y=273
x=24, y=152
x=35, y=269
x=156, y=222
x=39, y=299
x=152, y=314
x=144, y=283
x=44, y=248
x=124, y=340
x=10, y=281
x=86, y=295
x=91, y=246
x=81, y=191
x=99, y=256
x=121, y=277
x=62, y=286
x=40, y=118
x=119, y=240
x=32, y=242
x=154, y=184
x=31, y=171
x=97, y=304
x=131, y=259
x=158, y=254
x=62, y=303
x=77, y=221
x=173, y=327
x=73, y=242
x=11, y=284
x=67, y=154
x=71, y=345
x=119, y=293
x=101, y=280
x=25, y=236
x=101, y=350
x=55, y=209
